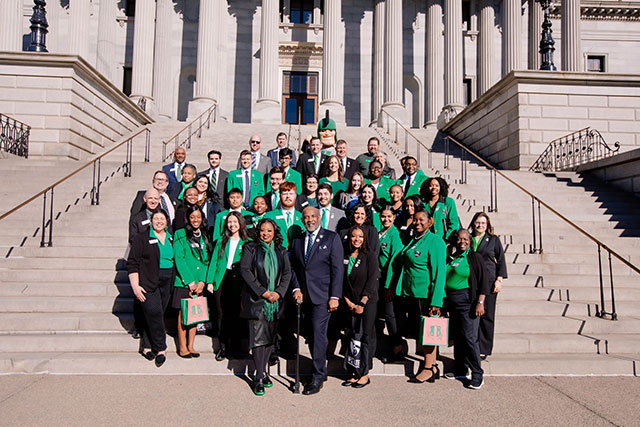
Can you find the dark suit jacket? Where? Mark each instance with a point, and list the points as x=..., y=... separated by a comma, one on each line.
x=352, y=167
x=492, y=253
x=221, y=184
x=274, y=154
x=137, y=224
x=256, y=282
x=337, y=219
x=144, y=259
x=267, y=198
x=138, y=203
x=174, y=190
x=305, y=164
x=321, y=278
x=170, y=171
x=478, y=283
x=212, y=207
x=363, y=280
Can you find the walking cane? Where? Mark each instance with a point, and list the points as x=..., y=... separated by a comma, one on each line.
x=296, y=386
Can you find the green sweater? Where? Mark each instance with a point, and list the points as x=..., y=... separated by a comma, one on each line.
x=424, y=262
x=191, y=260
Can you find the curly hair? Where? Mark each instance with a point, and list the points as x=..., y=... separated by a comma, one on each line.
x=365, y=244
x=277, y=236
x=367, y=210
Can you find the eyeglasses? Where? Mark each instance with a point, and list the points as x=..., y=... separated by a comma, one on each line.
x=376, y=167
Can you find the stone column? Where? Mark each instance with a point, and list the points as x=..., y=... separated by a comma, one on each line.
x=378, y=57
x=511, y=36
x=571, y=51
x=208, y=71
x=79, y=28
x=453, y=91
x=107, y=32
x=535, y=34
x=11, y=25
x=143, y=47
x=435, y=73
x=162, y=64
x=268, y=109
x=393, y=61
x=485, y=47
x=332, y=62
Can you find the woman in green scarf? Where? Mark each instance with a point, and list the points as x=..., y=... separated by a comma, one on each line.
x=266, y=272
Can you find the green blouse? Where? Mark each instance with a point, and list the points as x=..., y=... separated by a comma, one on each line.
x=166, y=249
x=458, y=272
x=336, y=185
x=352, y=262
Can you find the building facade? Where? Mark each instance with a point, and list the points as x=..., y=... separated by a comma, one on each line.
x=287, y=61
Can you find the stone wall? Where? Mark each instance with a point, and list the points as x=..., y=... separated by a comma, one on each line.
x=73, y=110
x=513, y=122
x=621, y=170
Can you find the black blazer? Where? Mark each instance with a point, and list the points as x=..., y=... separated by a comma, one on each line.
x=302, y=201
x=139, y=205
x=363, y=280
x=221, y=189
x=267, y=198
x=213, y=208
x=256, y=282
x=305, y=164
x=492, y=253
x=138, y=223
x=144, y=259
x=478, y=283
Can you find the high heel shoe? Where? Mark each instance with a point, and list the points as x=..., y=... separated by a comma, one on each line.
x=434, y=372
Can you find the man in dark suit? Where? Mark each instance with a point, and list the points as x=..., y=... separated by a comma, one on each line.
x=174, y=170
x=349, y=165
x=331, y=218
x=274, y=153
x=142, y=220
x=318, y=266
x=259, y=161
x=272, y=197
x=217, y=176
x=160, y=182
x=311, y=163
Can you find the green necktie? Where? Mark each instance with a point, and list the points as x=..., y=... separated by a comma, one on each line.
x=214, y=180
x=179, y=173
x=315, y=163
x=325, y=218
x=288, y=220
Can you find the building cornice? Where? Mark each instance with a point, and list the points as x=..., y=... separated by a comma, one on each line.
x=603, y=10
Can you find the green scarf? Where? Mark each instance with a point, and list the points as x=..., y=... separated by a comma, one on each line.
x=271, y=269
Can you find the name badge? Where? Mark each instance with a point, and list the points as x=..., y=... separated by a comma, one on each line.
x=310, y=160
x=346, y=262
x=455, y=264
x=239, y=176
x=153, y=241
x=305, y=203
x=145, y=222
x=280, y=217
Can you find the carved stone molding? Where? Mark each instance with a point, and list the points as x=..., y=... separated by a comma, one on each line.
x=302, y=55
x=603, y=11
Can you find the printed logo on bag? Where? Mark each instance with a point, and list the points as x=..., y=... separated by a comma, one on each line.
x=435, y=331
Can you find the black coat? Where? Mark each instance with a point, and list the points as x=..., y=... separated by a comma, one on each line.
x=492, y=253
x=144, y=259
x=478, y=277
x=363, y=280
x=305, y=164
x=137, y=224
x=255, y=279
x=139, y=205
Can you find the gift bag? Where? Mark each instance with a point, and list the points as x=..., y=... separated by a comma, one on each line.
x=356, y=355
x=434, y=330
x=194, y=310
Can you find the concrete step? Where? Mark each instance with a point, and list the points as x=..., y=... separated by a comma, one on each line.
x=65, y=322
x=80, y=304
x=68, y=290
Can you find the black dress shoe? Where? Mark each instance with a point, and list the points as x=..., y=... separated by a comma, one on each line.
x=185, y=356
x=267, y=381
x=160, y=359
x=135, y=335
x=361, y=385
x=221, y=354
x=348, y=383
x=274, y=359
x=258, y=388
x=312, y=388
x=148, y=355
x=195, y=355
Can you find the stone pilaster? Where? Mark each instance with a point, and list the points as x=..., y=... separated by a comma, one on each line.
x=162, y=64
x=435, y=73
x=11, y=25
x=79, y=28
x=378, y=56
x=143, y=47
x=393, y=61
x=570, y=40
x=453, y=89
x=535, y=34
x=332, y=62
x=511, y=36
x=208, y=71
x=107, y=33
x=267, y=109
x=486, y=47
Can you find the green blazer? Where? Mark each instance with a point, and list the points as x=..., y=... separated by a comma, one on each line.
x=221, y=218
x=383, y=188
x=191, y=260
x=218, y=264
x=390, y=263
x=445, y=217
x=424, y=263
x=414, y=188
x=291, y=176
x=234, y=180
x=288, y=234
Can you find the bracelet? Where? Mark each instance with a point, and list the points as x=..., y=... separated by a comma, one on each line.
x=481, y=302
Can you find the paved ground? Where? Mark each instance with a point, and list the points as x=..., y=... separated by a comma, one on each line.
x=36, y=400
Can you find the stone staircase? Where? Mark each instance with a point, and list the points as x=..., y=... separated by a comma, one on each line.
x=66, y=309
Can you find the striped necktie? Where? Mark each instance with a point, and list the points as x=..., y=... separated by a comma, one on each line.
x=164, y=205
x=254, y=160
x=309, y=247
x=214, y=180
x=247, y=188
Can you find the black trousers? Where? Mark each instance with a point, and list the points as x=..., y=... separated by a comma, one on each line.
x=229, y=328
x=463, y=327
x=152, y=332
x=318, y=339
x=395, y=317
x=487, y=324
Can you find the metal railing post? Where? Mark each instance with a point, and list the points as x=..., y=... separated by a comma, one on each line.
x=200, y=126
x=50, y=243
x=93, y=186
x=602, y=311
x=147, y=146
x=44, y=212
x=614, y=315
x=534, y=249
x=463, y=172
x=189, y=138
x=406, y=143
x=446, y=153
x=98, y=183
x=540, y=250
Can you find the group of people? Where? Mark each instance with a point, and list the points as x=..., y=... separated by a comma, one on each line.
x=359, y=250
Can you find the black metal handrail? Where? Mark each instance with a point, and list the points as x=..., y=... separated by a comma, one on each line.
x=572, y=150
x=14, y=136
x=387, y=119
x=190, y=132
x=126, y=167
x=537, y=228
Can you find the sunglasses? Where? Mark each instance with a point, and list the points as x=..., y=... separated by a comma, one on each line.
x=256, y=142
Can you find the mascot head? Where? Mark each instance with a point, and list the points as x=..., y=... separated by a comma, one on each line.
x=327, y=131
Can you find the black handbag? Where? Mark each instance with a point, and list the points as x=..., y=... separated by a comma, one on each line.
x=356, y=356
